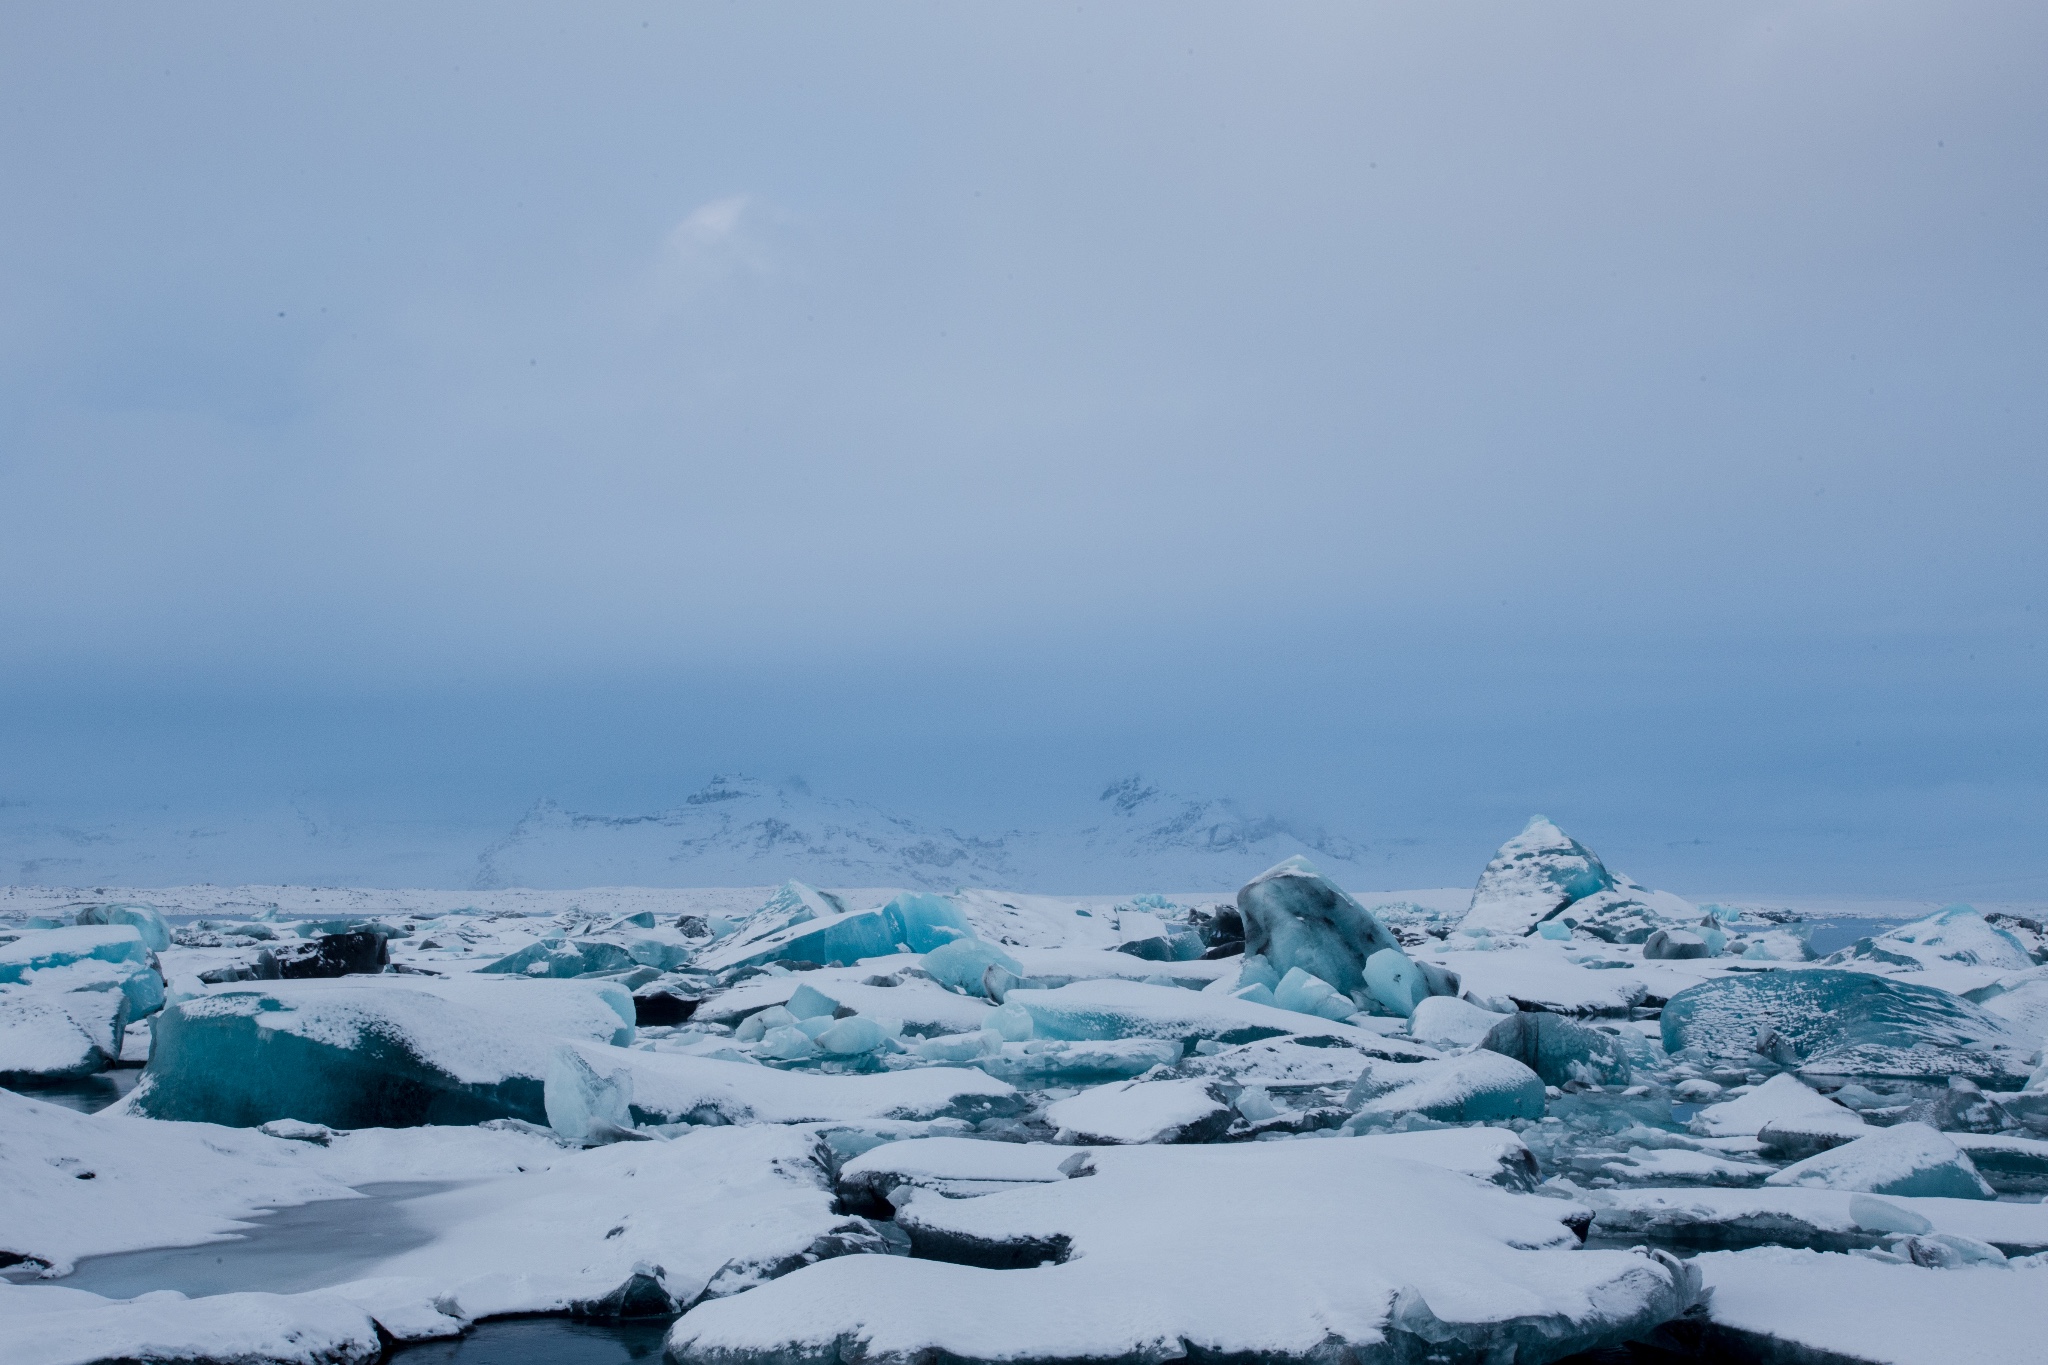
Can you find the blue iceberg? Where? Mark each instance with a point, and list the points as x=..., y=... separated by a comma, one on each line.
x=1295, y=917
x=1826, y=1023
x=361, y=1052
x=1558, y=1050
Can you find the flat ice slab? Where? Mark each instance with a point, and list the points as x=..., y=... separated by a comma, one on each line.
x=1383, y=1258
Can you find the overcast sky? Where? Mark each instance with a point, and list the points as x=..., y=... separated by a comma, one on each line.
x=1404, y=416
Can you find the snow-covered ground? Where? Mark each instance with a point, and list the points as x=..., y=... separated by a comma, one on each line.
x=878, y=1123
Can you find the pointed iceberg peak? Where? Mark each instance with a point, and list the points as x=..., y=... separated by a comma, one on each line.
x=1533, y=876
x=1543, y=874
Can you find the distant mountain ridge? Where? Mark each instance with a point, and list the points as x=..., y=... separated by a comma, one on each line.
x=738, y=830
x=734, y=831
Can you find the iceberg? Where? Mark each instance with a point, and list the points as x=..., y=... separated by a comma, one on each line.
x=360, y=1052
x=1828, y=1023
x=1295, y=917
x=1141, y=1111
x=1558, y=1050
x=155, y=932
x=921, y=921
x=1444, y=1266
x=1478, y=1087
x=964, y=964
x=1532, y=877
x=1543, y=875
x=1908, y=1159
x=1955, y=935
x=803, y=924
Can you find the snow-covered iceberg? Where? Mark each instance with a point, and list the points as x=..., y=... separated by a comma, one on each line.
x=360, y=1052
x=1544, y=875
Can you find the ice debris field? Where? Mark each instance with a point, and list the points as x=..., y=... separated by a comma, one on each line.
x=1562, y=1115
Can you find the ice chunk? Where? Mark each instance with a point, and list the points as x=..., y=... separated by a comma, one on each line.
x=1623, y=913
x=58, y=1035
x=1532, y=877
x=2013, y=1165
x=357, y=1052
x=1395, y=981
x=807, y=1002
x=1840, y=1023
x=1142, y=1111
x=1010, y=1022
x=1446, y=1021
x=1306, y=994
x=955, y=1048
x=921, y=921
x=156, y=934
x=584, y=1105
x=963, y=964
x=1255, y=1103
x=852, y=1036
x=786, y=1044
x=1909, y=1159
x=1046, y=1061
x=1443, y=1264
x=1477, y=1087
x=1675, y=945
x=1782, y=1099
x=1295, y=917
x=1881, y=1215
x=1558, y=1050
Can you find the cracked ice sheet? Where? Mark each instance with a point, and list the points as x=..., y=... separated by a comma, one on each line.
x=574, y=1228
x=1132, y=1009
x=921, y=1004
x=1157, y=1229
x=1885, y=1314
x=53, y=1326
x=1723, y=1217
x=670, y=1087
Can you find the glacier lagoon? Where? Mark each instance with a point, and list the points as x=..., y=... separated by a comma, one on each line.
x=794, y=1123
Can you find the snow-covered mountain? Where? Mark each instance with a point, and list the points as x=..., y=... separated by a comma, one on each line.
x=740, y=831
x=735, y=831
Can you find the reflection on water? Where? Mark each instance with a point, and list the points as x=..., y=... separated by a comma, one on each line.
x=87, y=1094
x=286, y=1251
x=543, y=1341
